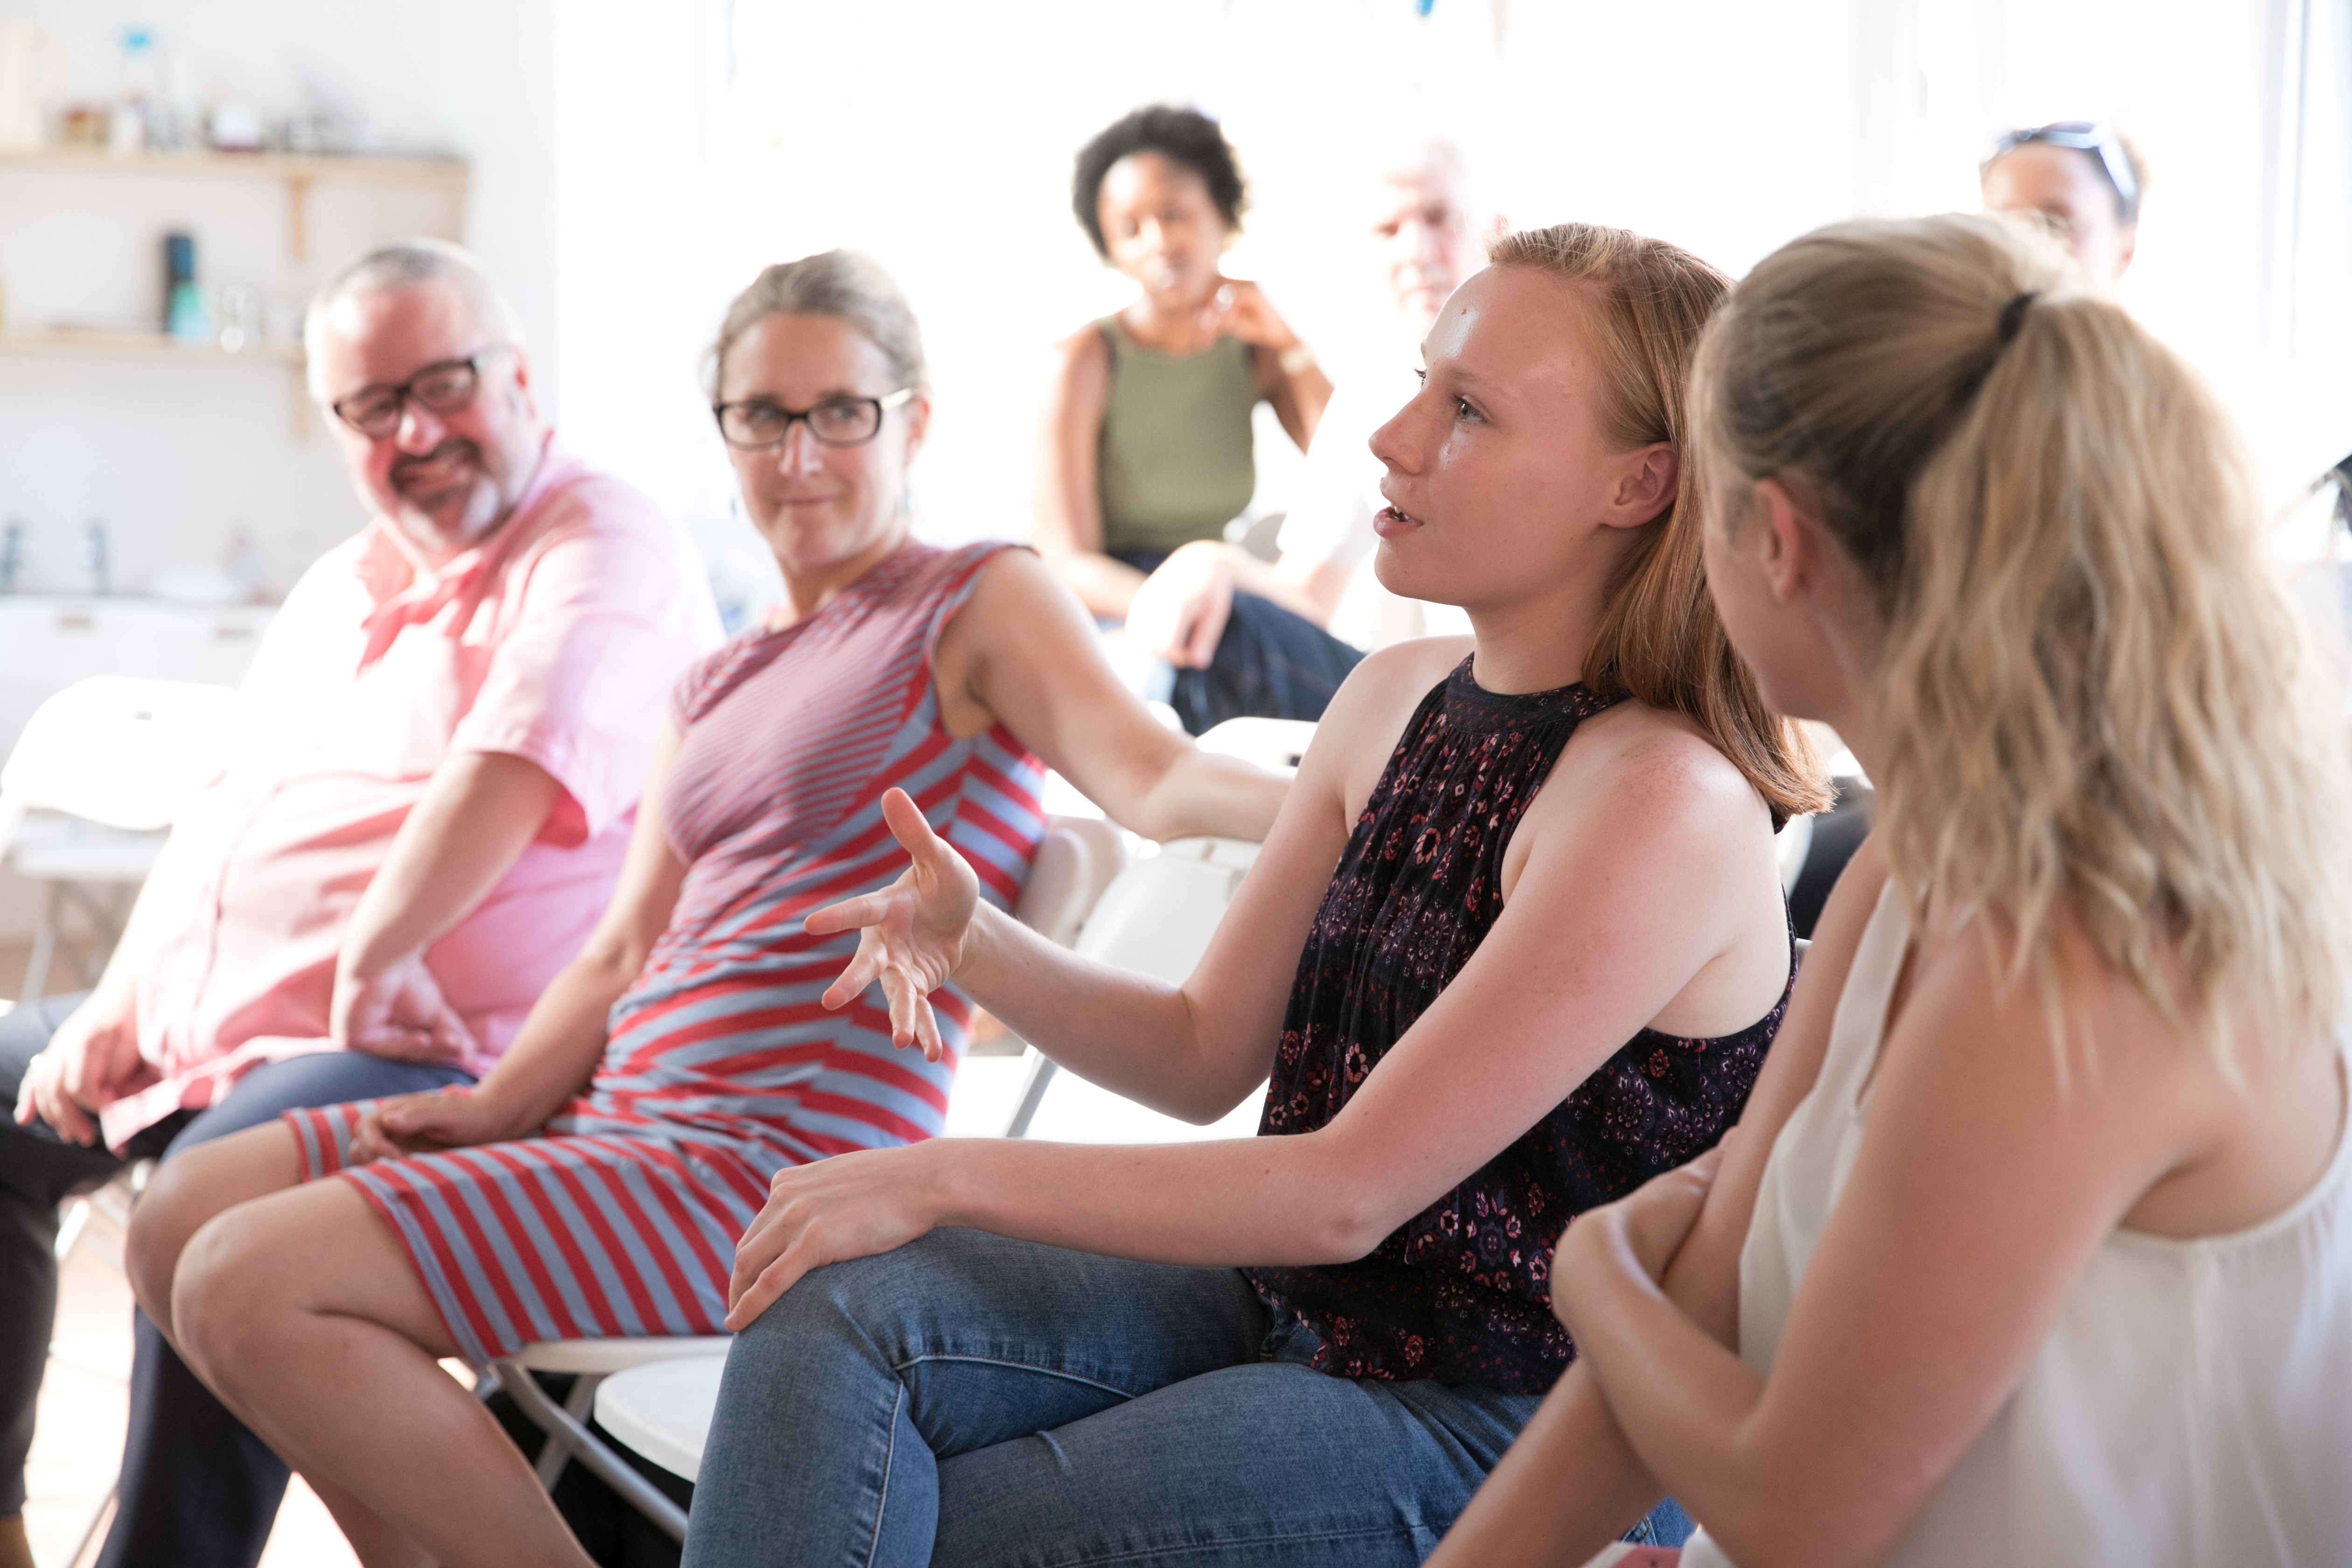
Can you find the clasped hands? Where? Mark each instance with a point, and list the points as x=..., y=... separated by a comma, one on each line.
x=1640, y=1234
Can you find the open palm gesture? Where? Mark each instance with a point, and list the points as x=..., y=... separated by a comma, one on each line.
x=911, y=933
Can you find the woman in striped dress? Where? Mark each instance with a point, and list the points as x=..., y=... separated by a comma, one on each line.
x=595, y=1182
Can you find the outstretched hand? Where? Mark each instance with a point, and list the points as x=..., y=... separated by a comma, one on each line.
x=911, y=933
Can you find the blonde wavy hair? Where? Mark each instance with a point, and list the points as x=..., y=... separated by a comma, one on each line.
x=1659, y=638
x=2096, y=696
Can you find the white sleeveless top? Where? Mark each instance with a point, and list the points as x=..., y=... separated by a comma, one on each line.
x=2191, y=1405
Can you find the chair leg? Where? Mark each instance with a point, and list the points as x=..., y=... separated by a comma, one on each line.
x=71, y=1224
x=565, y=1430
x=1034, y=1085
x=100, y=1513
x=581, y=1401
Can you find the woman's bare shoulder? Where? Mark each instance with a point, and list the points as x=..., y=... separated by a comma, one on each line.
x=1423, y=661
x=1387, y=685
x=1082, y=351
x=1661, y=764
x=1369, y=713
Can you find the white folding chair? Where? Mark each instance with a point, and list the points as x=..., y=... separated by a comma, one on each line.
x=1156, y=919
x=87, y=799
x=90, y=792
x=664, y=1412
x=1075, y=860
x=589, y=1363
x=1276, y=743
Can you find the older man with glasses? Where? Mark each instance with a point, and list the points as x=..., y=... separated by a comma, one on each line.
x=441, y=746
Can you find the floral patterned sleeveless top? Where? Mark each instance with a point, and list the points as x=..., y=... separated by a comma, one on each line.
x=1462, y=1293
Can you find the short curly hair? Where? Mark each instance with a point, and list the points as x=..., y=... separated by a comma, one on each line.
x=1184, y=136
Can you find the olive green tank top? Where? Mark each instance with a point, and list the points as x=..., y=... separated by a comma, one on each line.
x=1174, y=461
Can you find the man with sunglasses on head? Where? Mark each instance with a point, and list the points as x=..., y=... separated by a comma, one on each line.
x=2082, y=176
x=441, y=745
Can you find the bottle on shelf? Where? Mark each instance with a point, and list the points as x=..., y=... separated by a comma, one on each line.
x=127, y=130
x=185, y=316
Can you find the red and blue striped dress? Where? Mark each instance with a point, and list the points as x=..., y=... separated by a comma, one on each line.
x=720, y=1067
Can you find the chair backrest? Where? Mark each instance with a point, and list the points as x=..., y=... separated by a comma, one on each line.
x=1158, y=916
x=1155, y=918
x=126, y=754
x=1077, y=858
x=1276, y=743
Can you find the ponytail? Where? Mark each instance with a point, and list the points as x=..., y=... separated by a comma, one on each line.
x=2094, y=692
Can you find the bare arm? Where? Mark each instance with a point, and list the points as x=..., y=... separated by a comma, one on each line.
x=478, y=812
x=556, y=1052
x=1298, y=398
x=1022, y=652
x=1068, y=497
x=1572, y=1483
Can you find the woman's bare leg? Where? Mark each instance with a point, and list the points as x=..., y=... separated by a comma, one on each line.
x=205, y=1181
x=299, y=1308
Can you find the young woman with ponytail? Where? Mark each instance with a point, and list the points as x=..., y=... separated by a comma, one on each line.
x=1516, y=942
x=2034, y=1244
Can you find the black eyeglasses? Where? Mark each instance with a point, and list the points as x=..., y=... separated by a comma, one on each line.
x=444, y=386
x=755, y=423
x=2081, y=136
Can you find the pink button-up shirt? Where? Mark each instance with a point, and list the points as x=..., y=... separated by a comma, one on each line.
x=557, y=640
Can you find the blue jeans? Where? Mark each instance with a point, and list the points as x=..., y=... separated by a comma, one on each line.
x=970, y=1400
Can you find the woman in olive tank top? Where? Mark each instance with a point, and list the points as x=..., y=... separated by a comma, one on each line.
x=1147, y=447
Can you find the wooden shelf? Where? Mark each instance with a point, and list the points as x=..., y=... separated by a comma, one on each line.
x=298, y=173
x=271, y=166
x=143, y=345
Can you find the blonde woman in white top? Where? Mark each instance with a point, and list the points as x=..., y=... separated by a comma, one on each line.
x=2035, y=1242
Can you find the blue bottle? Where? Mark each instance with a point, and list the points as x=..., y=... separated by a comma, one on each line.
x=185, y=316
